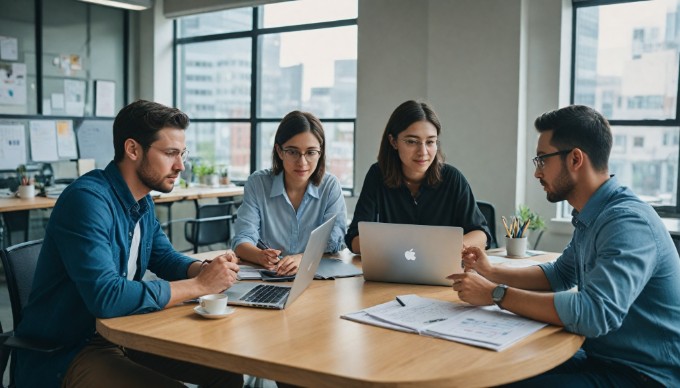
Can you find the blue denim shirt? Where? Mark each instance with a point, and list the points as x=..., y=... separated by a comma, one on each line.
x=267, y=213
x=82, y=269
x=627, y=270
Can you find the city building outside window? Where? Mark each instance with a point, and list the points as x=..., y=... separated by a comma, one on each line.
x=626, y=66
x=238, y=72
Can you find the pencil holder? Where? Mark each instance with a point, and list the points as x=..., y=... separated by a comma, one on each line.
x=516, y=246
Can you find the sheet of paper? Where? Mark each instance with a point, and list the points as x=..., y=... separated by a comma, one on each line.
x=249, y=273
x=517, y=263
x=9, y=48
x=95, y=141
x=418, y=312
x=499, y=329
x=12, y=146
x=12, y=83
x=66, y=139
x=43, y=135
x=74, y=97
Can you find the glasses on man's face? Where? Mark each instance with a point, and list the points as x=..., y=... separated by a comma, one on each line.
x=417, y=144
x=174, y=153
x=539, y=161
x=293, y=155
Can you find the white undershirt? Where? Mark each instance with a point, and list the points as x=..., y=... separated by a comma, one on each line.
x=134, y=253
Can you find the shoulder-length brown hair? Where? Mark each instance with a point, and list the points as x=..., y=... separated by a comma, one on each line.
x=406, y=114
x=294, y=123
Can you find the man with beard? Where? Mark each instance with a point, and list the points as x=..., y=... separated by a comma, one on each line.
x=101, y=238
x=621, y=260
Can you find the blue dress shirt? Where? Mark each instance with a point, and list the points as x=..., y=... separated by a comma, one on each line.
x=267, y=213
x=82, y=271
x=627, y=270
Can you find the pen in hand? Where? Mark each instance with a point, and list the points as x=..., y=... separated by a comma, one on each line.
x=263, y=245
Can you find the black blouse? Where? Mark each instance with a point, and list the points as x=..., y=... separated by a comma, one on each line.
x=450, y=203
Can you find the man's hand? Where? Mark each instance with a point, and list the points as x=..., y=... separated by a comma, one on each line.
x=230, y=256
x=218, y=275
x=473, y=288
x=475, y=259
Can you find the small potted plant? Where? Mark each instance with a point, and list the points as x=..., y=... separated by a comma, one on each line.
x=535, y=222
x=206, y=174
x=224, y=175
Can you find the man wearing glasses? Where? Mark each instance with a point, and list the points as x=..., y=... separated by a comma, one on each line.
x=621, y=261
x=101, y=238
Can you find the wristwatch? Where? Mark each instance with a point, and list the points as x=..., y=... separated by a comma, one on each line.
x=498, y=294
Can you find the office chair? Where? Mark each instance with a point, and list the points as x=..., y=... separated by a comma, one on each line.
x=212, y=225
x=19, y=262
x=489, y=212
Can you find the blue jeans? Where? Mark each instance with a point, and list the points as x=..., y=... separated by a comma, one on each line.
x=581, y=371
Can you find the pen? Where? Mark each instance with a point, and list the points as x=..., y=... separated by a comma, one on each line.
x=263, y=245
x=401, y=302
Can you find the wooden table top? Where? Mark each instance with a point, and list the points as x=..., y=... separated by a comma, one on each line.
x=309, y=344
x=177, y=194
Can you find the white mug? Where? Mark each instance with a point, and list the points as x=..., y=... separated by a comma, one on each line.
x=214, y=303
x=26, y=191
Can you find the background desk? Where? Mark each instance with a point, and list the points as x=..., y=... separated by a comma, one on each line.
x=15, y=210
x=308, y=344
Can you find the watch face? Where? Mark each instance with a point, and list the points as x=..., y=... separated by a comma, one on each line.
x=498, y=293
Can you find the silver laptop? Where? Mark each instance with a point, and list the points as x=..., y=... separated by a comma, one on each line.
x=419, y=254
x=279, y=297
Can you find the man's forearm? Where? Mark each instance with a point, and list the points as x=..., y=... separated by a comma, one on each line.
x=529, y=278
x=539, y=306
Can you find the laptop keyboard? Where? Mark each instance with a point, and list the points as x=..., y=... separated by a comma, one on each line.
x=265, y=293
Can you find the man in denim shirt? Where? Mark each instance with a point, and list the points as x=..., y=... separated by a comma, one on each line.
x=101, y=238
x=621, y=259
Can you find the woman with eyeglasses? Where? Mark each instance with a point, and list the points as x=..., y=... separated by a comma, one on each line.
x=411, y=184
x=282, y=205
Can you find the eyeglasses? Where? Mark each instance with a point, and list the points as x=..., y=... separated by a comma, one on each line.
x=539, y=161
x=414, y=144
x=173, y=153
x=293, y=155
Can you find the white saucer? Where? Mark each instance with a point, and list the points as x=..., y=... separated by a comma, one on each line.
x=199, y=310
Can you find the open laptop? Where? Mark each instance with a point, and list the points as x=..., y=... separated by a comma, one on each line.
x=404, y=253
x=279, y=297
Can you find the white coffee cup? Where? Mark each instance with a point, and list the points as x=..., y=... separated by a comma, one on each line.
x=516, y=246
x=26, y=191
x=214, y=303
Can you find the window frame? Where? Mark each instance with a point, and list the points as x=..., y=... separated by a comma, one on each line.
x=254, y=34
x=580, y=4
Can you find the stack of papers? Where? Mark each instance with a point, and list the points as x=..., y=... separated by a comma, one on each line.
x=55, y=190
x=486, y=327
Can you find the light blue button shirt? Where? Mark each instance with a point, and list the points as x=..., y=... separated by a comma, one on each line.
x=268, y=214
x=627, y=270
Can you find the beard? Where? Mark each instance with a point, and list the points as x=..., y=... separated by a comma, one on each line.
x=563, y=186
x=152, y=179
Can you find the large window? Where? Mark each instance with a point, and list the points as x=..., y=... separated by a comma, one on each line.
x=626, y=66
x=238, y=72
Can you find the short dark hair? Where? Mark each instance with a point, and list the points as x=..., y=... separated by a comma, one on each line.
x=582, y=127
x=295, y=123
x=406, y=114
x=141, y=122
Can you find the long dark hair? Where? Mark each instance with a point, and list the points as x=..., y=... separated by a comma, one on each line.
x=295, y=123
x=406, y=114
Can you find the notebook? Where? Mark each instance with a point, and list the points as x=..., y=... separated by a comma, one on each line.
x=404, y=253
x=279, y=297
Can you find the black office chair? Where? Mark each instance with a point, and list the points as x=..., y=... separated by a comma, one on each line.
x=212, y=225
x=19, y=262
x=489, y=212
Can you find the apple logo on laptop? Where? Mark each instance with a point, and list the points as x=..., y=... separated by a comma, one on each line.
x=410, y=255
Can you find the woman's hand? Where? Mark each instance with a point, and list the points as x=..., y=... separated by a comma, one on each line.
x=289, y=265
x=269, y=258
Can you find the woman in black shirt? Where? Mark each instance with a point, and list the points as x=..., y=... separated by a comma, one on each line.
x=411, y=184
